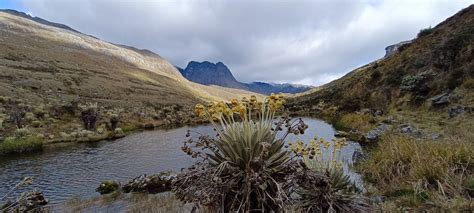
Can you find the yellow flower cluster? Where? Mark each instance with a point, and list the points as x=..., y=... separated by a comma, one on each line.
x=275, y=102
x=217, y=110
x=313, y=148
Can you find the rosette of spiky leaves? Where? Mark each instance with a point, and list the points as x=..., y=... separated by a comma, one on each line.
x=329, y=191
x=321, y=185
x=245, y=164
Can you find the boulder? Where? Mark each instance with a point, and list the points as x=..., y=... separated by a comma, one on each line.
x=149, y=184
x=358, y=155
x=440, y=100
x=435, y=136
x=374, y=134
x=378, y=113
x=456, y=110
x=411, y=131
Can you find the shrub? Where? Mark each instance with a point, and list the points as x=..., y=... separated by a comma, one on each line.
x=107, y=187
x=39, y=112
x=20, y=145
x=425, y=32
x=29, y=116
x=114, y=119
x=394, y=77
x=36, y=123
x=22, y=132
x=89, y=116
x=468, y=84
x=17, y=113
x=244, y=167
x=331, y=191
x=410, y=82
x=455, y=78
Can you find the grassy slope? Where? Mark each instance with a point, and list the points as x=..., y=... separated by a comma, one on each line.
x=446, y=54
x=54, y=69
x=41, y=62
x=440, y=61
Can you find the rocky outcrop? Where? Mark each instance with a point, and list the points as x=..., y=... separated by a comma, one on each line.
x=440, y=100
x=392, y=49
x=374, y=134
x=149, y=184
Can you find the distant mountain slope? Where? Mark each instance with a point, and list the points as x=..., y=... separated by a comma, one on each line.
x=44, y=61
x=438, y=63
x=208, y=73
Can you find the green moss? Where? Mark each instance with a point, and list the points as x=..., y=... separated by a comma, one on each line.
x=129, y=128
x=20, y=145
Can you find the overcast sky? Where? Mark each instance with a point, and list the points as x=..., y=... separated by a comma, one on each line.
x=307, y=42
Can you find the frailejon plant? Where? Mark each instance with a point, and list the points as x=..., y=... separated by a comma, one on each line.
x=243, y=168
x=321, y=185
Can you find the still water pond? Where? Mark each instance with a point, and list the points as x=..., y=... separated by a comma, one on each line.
x=76, y=170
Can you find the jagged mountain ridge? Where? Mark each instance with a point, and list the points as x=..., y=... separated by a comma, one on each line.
x=208, y=73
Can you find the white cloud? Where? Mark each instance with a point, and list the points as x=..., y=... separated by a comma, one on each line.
x=309, y=42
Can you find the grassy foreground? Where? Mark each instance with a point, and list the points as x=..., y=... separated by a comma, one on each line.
x=422, y=174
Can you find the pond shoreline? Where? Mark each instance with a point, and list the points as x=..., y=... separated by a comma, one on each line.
x=66, y=170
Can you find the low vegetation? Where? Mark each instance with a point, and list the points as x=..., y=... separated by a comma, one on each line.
x=360, y=121
x=422, y=174
x=13, y=145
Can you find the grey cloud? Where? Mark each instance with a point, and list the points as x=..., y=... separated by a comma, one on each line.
x=309, y=42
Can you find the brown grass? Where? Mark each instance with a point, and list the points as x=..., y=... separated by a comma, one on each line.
x=421, y=174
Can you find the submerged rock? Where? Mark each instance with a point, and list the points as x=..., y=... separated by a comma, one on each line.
x=149, y=184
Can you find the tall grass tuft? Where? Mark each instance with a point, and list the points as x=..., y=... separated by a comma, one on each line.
x=430, y=171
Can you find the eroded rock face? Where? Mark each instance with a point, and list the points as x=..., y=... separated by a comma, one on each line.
x=392, y=49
